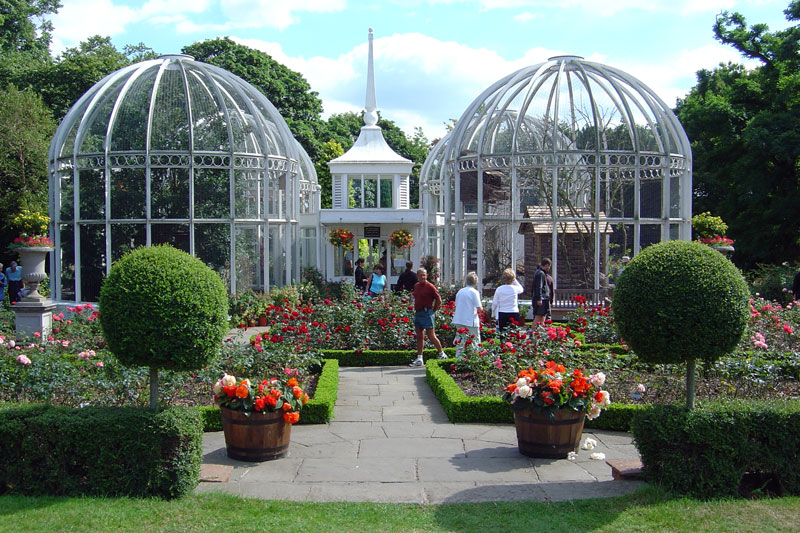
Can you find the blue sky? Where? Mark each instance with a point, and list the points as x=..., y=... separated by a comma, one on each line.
x=432, y=57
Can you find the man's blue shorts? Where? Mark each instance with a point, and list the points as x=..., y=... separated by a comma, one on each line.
x=423, y=319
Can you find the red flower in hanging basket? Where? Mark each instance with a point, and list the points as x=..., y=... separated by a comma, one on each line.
x=401, y=238
x=343, y=238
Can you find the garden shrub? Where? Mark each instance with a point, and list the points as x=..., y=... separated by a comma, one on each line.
x=772, y=282
x=163, y=308
x=678, y=301
x=705, y=452
x=100, y=451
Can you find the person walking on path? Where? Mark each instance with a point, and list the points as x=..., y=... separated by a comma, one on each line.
x=377, y=282
x=465, y=318
x=360, y=277
x=3, y=283
x=541, y=292
x=407, y=279
x=14, y=277
x=505, y=307
x=426, y=302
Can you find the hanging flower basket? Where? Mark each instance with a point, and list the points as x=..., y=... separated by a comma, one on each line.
x=343, y=238
x=401, y=239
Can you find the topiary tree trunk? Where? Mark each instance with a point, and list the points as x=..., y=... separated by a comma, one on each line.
x=691, y=365
x=154, y=388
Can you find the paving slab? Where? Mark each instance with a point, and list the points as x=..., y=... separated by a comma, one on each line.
x=390, y=441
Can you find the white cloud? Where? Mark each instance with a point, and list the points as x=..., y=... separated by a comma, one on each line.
x=79, y=19
x=606, y=7
x=524, y=17
x=273, y=13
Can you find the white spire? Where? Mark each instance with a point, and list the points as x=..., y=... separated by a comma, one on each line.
x=371, y=115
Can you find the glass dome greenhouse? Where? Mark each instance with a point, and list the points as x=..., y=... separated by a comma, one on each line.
x=177, y=151
x=568, y=159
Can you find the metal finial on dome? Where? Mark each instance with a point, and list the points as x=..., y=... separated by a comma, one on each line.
x=371, y=114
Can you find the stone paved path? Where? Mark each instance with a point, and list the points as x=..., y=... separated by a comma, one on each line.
x=390, y=441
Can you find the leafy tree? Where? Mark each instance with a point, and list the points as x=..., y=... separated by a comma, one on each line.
x=745, y=132
x=678, y=301
x=26, y=127
x=25, y=28
x=345, y=127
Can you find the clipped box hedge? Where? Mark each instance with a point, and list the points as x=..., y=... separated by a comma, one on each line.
x=319, y=410
x=707, y=451
x=380, y=357
x=493, y=409
x=100, y=451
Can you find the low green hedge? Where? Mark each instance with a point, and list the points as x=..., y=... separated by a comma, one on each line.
x=706, y=452
x=100, y=451
x=493, y=409
x=319, y=410
x=380, y=357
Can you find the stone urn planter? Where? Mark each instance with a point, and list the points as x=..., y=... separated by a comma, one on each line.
x=539, y=435
x=255, y=437
x=33, y=260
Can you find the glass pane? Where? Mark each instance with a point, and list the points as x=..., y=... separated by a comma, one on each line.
x=248, y=185
x=176, y=235
x=126, y=237
x=496, y=252
x=93, y=260
x=674, y=197
x=469, y=191
x=386, y=193
x=67, y=196
x=576, y=255
x=249, y=259
x=308, y=248
x=92, y=195
x=343, y=261
x=67, y=262
x=128, y=193
x=277, y=256
x=649, y=234
x=651, y=196
x=370, y=191
x=616, y=195
x=575, y=187
x=130, y=128
x=276, y=201
x=620, y=245
x=169, y=192
x=212, y=245
x=472, y=249
x=170, y=126
x=354, y=200
x=211, y=193
x=398, y=261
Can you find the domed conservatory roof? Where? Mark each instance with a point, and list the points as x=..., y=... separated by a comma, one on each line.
x=175, y=105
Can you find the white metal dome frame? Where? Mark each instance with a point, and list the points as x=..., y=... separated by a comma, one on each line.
x=590, y=144
x=134, y=158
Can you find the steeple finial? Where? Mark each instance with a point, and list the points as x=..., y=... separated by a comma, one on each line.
x=371, y=114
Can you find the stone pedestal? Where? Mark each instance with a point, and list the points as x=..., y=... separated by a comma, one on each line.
x=33, y=315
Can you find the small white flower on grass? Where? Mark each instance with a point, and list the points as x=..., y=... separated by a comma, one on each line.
x=572, y=456
x=597, y=456
x=589, y=444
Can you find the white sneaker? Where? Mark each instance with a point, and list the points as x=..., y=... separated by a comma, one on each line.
x=442, y=355
x=416, y=362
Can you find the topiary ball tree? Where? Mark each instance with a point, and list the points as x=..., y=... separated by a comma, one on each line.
x=678, y=301
x=162, y=308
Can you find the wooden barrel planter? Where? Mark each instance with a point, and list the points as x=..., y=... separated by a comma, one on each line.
x=538, y=435
x=255, y=437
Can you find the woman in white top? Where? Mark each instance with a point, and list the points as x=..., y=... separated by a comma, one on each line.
x=465, y=317
x=504, y=303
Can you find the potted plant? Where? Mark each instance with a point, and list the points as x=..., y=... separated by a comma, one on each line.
x=401, y=238
x=550, y=405
x=32, y=245
x=257, y=417
x=710, y=231
x=341, y=238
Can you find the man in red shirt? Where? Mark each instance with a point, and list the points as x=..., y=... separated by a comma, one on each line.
x=426, y=302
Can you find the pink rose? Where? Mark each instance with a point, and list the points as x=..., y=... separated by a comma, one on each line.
x=23, y=360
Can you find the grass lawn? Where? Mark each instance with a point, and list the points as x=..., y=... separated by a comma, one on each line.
x=647, y=510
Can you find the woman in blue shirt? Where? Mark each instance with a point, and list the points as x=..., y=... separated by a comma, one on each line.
x=377, y=282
